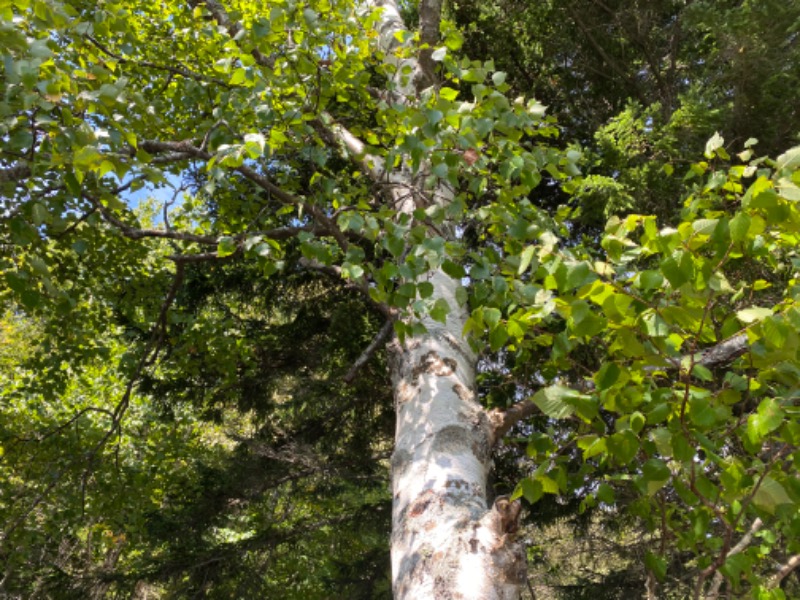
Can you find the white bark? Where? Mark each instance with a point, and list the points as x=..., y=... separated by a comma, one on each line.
x=446, y=542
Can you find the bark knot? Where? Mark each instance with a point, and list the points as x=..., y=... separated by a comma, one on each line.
x=508, y=513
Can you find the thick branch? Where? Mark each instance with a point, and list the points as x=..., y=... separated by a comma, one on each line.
x=430, y=15
x=723, y=352
x=503, y=420
x=338, y=136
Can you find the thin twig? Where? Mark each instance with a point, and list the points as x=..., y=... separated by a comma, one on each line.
x=376, y=343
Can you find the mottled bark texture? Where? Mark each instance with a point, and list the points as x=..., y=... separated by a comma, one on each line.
x=446, y=542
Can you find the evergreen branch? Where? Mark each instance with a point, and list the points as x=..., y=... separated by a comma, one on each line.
x=149, y=355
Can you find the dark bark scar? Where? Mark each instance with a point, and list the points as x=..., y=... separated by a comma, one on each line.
x=421, y=504
x=432, y=363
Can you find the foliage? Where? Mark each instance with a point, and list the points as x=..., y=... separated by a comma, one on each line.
x=698, y=449
x=180, y=415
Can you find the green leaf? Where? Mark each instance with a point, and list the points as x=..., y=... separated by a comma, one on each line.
x=498, y=337
x=425, y=289
x=226, y=246
x=713, y=144
x=453, y=269
x=605, y=493
x=701, y=412
x=607, y=376
x=650, y=280
x=770, y=494
x=448, y=94
x=753, y=314
x=657, y=565
x=238, y=77
x=440, y=310
x=532, y=490
x=676, y=273
x=552, y=401
x=525, y=259
x=768, y=418
x=789, y=159
x=491, y=316
x=623, y=446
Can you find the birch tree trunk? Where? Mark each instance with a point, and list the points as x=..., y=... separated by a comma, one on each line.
x=446, y=541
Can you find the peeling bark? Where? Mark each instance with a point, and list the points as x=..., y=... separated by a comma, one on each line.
x=446, y=542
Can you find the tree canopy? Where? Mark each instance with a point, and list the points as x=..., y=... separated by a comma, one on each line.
x=215, y=215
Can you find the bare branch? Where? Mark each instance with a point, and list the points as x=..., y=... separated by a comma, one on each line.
x=373, y=347
x=716, y=583
x=784, y=570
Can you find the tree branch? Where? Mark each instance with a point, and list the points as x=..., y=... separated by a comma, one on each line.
x=723, y=352
x=430, y=15
x=784, y=570
x=503, y=420
x=220, y=15
x=335, y=272
x=150, y=65
x=716, y=583
x=338, y=136
x=373, y=347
